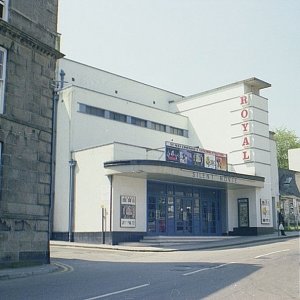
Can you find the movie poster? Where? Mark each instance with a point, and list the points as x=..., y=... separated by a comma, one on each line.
x=128, y=211
x=198, y=159
x=265, y=211
x=221, y=162
x=210, y=161
x=172, y=154
x=243, y=208
x=186, y=157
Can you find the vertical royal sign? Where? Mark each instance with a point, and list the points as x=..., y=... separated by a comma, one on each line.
x=245, y=127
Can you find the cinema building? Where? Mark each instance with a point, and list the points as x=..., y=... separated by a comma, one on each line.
x=134, y=160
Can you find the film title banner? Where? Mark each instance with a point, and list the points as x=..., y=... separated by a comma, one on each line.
x=194, y=156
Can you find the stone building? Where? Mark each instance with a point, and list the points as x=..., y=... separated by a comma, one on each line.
x=289, y=188
x=28, y=42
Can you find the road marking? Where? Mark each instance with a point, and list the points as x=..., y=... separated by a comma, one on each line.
x=271, y=253
x=205, y=269
x=119, y=292
x=64, y=267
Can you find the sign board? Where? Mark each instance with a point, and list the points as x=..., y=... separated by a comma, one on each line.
x=265, y=211
x=243, y=212
x=194, y=156
x=128, y=211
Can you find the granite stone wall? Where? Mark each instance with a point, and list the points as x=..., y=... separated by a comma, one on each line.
x=29, y=36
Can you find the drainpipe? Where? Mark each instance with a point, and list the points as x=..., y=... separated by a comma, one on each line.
x=58, y=87
x=53, y=158
x=72, y=164
x=110, y=203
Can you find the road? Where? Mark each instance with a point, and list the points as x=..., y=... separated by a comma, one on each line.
x=261, y=271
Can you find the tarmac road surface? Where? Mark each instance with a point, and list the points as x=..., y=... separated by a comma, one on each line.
x=256, y=271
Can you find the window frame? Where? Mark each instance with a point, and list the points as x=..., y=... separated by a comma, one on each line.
x=177, y=131
x=117, y=116
x=138, y=122
x=4, y=4
x=1, y=163
x=91, y=110
x=3, y=66
x=158, y=126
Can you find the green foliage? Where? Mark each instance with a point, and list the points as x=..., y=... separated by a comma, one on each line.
x=285, y=140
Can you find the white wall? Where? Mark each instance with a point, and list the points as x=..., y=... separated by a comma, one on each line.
x=233, y=196
x=217, y=123
x=92, y=189
x=89, y=131
x=78, y=131
x=210, y=118
x=274, y=179
x=131, y=187
x=108, y=83
x=125, y=151
x=294, y=159
x=61, y=196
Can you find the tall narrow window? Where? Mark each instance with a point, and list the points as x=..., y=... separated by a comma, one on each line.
x=3, y=9
x=2, y=77
x=1, y=147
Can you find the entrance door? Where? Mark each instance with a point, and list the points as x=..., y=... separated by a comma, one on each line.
x=210, y=224
x=184, y=216
x=156, y=211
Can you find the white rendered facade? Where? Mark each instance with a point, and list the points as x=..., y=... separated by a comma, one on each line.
x=294, y=159
x=116, y=129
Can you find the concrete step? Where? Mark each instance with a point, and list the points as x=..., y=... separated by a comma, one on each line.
x=181, y=239
x=168, y=241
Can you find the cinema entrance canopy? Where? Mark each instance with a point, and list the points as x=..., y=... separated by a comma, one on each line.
x=157, y=170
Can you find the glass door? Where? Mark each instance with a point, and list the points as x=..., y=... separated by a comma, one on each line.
x=156, y=215
x=184, y=215
x=161, y=215
x=210, y=223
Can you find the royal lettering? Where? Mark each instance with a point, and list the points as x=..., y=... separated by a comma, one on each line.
x=245, y=126
x=246, y=155
x=246, y=142
x=244, y=113
x=244, y=100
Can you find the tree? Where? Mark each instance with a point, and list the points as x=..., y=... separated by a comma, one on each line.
x=285, y=140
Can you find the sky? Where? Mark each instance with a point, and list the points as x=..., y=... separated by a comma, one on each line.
x=191, y=46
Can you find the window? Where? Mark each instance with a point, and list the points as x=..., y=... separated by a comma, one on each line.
x=176, y=131
x=158, y=127
x=2, y=77
x=3, y=9
x=138, y=122
x=100, y=112
x=287, y=180
x=91, y=110
x=117, y=117
x=95, y=111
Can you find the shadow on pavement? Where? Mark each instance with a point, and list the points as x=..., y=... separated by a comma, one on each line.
x=84, y=279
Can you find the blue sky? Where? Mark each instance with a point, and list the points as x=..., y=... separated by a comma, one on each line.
x=190, y=46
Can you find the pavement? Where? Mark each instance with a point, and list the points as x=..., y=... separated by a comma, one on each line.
x=157, y=245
